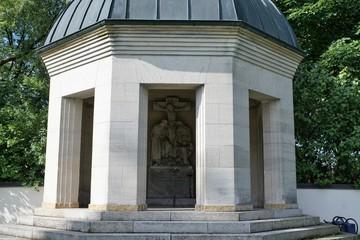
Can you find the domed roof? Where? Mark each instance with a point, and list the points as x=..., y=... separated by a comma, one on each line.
x=260, y=16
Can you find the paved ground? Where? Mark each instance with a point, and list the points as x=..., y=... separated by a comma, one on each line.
x=3, y=237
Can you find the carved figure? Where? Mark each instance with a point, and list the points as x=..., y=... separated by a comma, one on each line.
x=184, y=144
x=171, y=112
x=171, y=106
x=158, y=135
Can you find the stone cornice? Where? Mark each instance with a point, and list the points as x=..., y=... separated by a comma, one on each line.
x=72, y=54
x=122, y=40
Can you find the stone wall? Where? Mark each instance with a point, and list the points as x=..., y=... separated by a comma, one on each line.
x=326, y=203
x=17, y=201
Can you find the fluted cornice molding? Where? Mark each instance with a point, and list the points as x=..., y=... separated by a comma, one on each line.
x=122, y=40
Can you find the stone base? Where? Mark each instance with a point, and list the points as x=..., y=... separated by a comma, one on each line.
x=170, y=182
x=115, y=207
x=171, y=202
x=280, y=206
x=60, y=205
x=166, y=225
x=165, y=214
x=209, y=208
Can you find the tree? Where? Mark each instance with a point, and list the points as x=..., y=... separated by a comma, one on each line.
x=24, y=87
x=326, y=90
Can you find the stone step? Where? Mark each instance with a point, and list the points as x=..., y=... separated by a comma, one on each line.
x=52, y=234
x=171, y=215
x=173, y=226
x=27, y=220
x=288, y=234
x=339, y=236
x=4, y=237
x=238, y=227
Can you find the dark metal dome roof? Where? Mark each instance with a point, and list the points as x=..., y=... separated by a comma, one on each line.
x=261, y=16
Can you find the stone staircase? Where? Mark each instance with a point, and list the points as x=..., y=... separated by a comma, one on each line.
x=83, y=224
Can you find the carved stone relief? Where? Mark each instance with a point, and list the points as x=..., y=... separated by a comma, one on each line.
x=171, y=140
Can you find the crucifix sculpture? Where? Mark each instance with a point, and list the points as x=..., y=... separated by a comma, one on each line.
x=171, y=106
x=171, y=141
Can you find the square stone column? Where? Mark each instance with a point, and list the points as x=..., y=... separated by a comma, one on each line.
x=223, y=172
x=119, y=147
x=279, y=155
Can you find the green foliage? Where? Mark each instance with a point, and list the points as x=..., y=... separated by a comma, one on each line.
x=326, y=90
x=317, y=23
x=23, y=88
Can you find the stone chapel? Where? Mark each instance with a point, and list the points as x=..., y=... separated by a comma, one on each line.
x=171, y=103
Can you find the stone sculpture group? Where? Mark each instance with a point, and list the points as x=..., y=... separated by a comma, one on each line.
x=171, y=140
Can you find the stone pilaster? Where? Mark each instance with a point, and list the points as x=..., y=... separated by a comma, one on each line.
x=63, y=165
